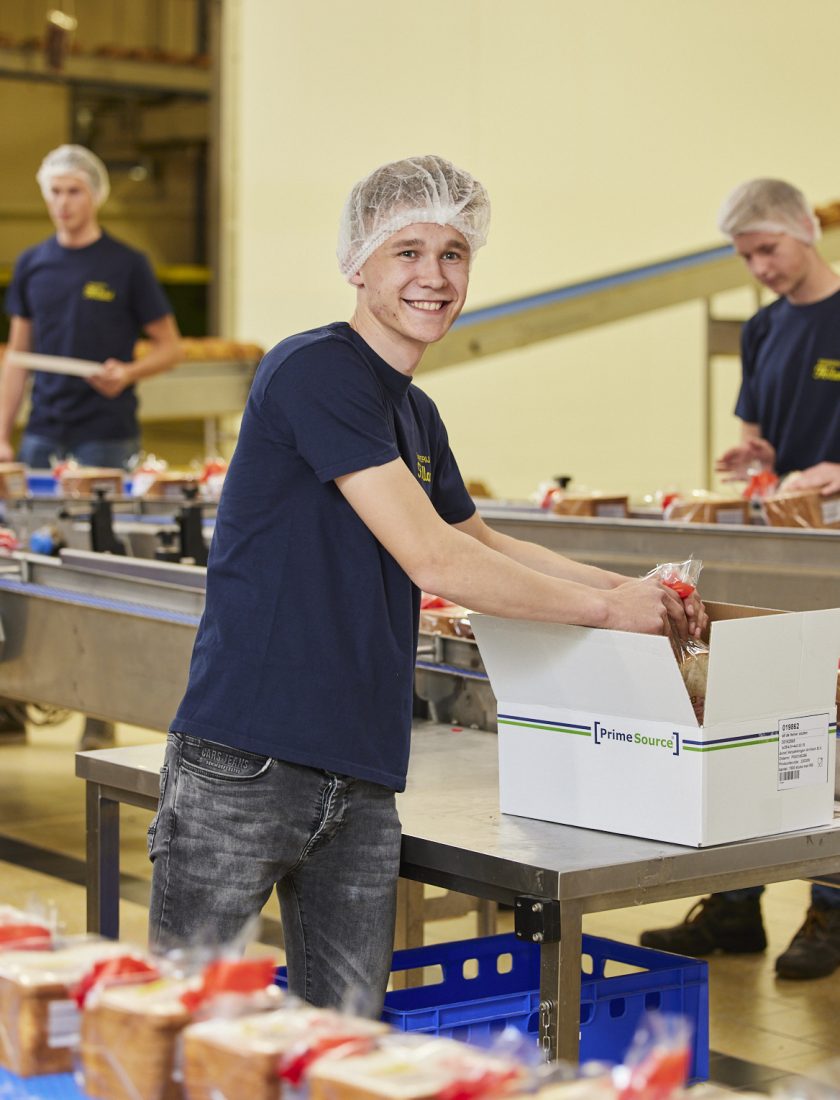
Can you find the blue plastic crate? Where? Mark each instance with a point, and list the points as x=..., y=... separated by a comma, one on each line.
x=42, y=484
x=54, y=1086
x=503, y=991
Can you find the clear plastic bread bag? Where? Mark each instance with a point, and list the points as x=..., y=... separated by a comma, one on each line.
x=692, y=654
x=658, y=1061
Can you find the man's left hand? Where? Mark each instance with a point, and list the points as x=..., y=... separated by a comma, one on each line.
x=112, y=379
x=825, y=476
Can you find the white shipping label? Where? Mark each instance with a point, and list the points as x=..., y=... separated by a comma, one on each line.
x=830, y=511
x=803, y=751
x=62, y=1024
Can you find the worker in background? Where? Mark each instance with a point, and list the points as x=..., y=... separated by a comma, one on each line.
x=84, y=295
x=790, y=408
x=342, y=501
x=789, y=402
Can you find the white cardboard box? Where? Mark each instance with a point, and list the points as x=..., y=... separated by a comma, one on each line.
x=596, y=728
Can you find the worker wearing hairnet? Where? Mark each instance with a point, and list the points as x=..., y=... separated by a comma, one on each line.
x=790, y=407
x=343, y=500
x=789, y=402
x=81, y=294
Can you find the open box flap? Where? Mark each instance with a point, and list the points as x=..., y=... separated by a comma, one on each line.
x=605, y=671
x=752, y=673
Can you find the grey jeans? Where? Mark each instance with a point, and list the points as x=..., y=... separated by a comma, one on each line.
x=232, y=825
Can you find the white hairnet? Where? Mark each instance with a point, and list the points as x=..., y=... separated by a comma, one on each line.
x=418, y=189
x=75, y=160
x=768, y=206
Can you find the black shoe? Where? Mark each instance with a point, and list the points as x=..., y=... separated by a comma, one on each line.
x=97, y=734
x=12, y=723
x=814, y=951
x=713, y=924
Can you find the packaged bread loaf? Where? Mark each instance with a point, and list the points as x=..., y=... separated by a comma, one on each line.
x=410, y=1068
x=802, y=508
x=704, y=507
x=83, y=481
x=23, y=931
x=694, y=667
x=128, y=1040
x=171, y=484
x=440, y=616
x=130, y=1030
x=225, y=1059
x=599, y=505
x=692, y=653
x=39, y=1018
x=13, y=484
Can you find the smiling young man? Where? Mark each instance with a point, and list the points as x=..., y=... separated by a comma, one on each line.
x=84, y=295
x=790, y=408
x=343, y=501
x=790, y=350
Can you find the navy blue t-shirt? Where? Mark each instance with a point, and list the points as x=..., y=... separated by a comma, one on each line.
x=86, y=303
x=790, y=356
x=306, y=648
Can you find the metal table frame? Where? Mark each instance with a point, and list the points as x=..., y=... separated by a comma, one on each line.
x=454, y=836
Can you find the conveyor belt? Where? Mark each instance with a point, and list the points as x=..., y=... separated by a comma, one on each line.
x=113, y=636
x=80, y=600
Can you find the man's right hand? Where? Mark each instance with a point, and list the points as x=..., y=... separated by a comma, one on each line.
x=739, y=462
x=644, y=606
x=7, y=451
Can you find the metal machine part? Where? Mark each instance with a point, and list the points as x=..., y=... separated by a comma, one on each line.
x=112, y=636
x=450, y=678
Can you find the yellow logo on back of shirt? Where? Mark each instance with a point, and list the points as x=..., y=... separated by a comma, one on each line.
x=827, y=370
x=99, y=292
x=423, y=472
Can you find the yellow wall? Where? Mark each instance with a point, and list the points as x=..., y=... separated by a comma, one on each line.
x=607, y=133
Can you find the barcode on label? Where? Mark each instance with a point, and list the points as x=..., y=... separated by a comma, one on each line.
x=793, y=773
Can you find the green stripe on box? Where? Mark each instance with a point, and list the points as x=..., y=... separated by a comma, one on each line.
x=739, y=745
x=551, y=729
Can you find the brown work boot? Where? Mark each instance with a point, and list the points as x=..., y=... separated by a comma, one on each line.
x=713, y=924
x=814, y=951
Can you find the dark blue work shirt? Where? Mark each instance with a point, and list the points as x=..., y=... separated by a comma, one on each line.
x=306, y=648
x=790, y=357
x=85, y=303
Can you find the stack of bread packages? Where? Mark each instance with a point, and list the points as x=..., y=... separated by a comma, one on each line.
x=419, y=1067
x=692, y=654
x=135, y=1011
x=39, y=970
x=85, y=481
x=258, y=1056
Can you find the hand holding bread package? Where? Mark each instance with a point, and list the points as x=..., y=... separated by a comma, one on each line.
x=692, y=654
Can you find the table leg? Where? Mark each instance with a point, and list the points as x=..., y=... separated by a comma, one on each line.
x=560, y=989
x=103, y=862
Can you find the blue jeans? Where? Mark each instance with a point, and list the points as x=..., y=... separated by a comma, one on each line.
x=823, y=897
x=37, y=451
x=231, y=826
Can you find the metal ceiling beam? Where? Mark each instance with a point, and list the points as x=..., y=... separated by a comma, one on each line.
x=523, y=321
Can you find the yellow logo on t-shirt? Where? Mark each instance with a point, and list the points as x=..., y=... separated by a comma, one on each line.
x=423, y=472
x=827, y=370
x=99, y=292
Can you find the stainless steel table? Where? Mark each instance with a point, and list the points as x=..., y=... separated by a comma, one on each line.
x=454, y=836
